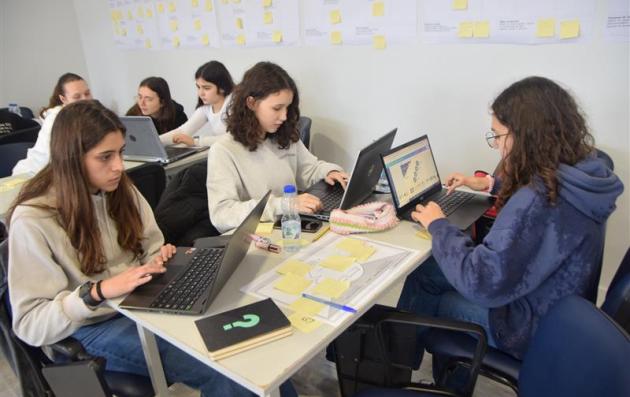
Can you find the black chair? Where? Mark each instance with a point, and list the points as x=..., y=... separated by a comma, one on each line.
x=10, y=154
x=27, y=113
x=25, y=135
x=304, y=128
x=29, y=362
x=577, y=351
x=150, y=179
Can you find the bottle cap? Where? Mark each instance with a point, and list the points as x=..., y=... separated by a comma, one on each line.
x=289, y=188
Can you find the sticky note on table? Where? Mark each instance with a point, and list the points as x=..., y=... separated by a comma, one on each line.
x=239, y=23
x=306, y=306
x=335, y=37
x=197, y=24
x=173, y=25
x=459, y=4
x=205, y=40
x=335, y=16
x=365, y=254
x=266, y=3
x=240, y=39
x=209, y=5
x=465, y=30
x=546, y=27
x=378, y=42
x=337, y=262
x=481, y=29
x=264, y=228
x=276, y=36
x=331, y=288
x=268, y=18
x=351, y=245
x=569, y=29
x=294, y=266
x=292, y=284
x=378, y=9
x=304, y=322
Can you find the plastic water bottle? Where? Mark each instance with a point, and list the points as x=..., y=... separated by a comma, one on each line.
x=14, y=108
x=291, y=227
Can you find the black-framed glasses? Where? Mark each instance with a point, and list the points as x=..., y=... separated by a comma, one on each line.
x=491, y=138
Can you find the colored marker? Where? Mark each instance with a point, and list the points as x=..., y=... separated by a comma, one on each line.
x=330, y=303
x=265, y=243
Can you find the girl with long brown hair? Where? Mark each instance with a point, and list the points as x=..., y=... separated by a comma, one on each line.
x=154, y=100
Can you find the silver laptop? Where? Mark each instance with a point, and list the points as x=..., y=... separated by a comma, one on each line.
x=365, y=174
x=142, y=142
x=413, y=179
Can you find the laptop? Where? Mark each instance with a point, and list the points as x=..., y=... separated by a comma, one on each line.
x=195, y=276
x=142, y=142
x=413, y=179
x=365, y=174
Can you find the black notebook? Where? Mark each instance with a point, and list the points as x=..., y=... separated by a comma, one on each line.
x=243, y=328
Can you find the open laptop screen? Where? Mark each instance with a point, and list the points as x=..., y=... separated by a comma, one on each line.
x=412, y=170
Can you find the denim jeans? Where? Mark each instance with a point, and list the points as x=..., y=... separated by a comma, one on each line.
x=118, y=342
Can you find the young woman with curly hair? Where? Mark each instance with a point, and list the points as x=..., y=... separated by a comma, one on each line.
x=262, y=151
x=554, y=196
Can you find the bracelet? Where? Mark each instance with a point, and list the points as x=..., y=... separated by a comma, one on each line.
x=99, y=291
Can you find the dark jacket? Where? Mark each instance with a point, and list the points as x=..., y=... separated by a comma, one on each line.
x=11, y=122
x=535, y=253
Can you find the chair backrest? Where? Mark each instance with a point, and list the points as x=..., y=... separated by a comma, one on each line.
x=24, y=135
x=617, y=303
x=150, y=179
x=304, y=128
x=27, y=113
x=10, y=154
x=577, y=351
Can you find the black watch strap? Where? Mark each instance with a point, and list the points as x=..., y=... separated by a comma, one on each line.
x=86, y=296
x=99, y=291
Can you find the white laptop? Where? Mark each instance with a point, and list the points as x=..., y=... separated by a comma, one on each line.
x=142, y=142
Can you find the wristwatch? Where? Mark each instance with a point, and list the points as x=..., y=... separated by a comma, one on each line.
x=86, y=296
x=196, y=140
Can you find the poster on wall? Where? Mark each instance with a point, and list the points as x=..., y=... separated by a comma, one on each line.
x=617, y=23
x=187, y=24
x=134, y=24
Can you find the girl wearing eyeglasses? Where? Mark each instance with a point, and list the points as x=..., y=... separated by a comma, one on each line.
x=154, y=100
x=554, y=196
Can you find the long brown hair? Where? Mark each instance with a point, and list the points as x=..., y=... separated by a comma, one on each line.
x=547, y=128
x=78, y=128
x=167, y=115
x=262, y=80
x=58, y=90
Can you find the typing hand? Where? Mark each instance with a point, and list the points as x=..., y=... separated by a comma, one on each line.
x=425, y=215
x=128, y=280
x=337, y=176
x=308, y=204
x=183, y=138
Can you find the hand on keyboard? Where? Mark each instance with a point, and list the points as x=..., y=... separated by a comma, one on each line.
x=308, y=204
x=425, y=215
x=337, y=177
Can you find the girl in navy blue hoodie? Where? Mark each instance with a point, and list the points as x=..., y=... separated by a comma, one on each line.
x=554, y=196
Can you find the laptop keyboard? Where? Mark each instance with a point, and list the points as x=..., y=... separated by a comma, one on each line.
x=449, y=203
x=332, y=198
x=182, y=293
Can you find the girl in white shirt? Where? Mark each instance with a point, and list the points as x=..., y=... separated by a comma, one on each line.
x=262, y=151
x=214, y=86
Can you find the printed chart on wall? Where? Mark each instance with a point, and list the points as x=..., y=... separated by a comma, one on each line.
x=617, y=25
x=187, y=24
x=343, y=270
x=508, y=21
x=134, y=24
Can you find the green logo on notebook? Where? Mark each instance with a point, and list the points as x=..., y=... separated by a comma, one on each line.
x=251, y=321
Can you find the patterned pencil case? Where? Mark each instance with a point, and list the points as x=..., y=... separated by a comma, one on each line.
x=371, y=217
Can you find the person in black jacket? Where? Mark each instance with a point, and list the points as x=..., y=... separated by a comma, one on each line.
x=154, y=100
x=11, y=122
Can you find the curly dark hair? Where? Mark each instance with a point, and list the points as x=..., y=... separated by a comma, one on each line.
x=262, y=80
x=547, y=128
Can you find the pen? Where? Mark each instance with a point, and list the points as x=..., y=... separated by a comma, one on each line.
x=265, y=243
x=320, y=233
x=330, y=303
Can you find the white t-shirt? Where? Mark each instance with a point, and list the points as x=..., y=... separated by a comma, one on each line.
x=204, y=123
x=39, y=155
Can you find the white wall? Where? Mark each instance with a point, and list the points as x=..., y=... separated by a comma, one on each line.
x=354, y=94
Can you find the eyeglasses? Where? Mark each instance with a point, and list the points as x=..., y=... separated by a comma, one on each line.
x=491, y=138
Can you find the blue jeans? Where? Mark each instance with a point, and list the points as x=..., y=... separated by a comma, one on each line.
x=118, y=342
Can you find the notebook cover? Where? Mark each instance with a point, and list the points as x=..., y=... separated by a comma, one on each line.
x=247, y=326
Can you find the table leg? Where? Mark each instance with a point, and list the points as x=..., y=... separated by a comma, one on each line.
x=154, y=363
x=273, y=393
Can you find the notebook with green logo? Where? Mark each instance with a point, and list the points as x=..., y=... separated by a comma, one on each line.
x=243, y=328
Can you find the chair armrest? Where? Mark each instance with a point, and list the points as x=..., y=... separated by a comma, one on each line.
x=441, y=323
x=69, y=349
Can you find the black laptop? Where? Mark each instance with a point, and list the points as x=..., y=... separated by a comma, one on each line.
x=413, y=179
x=365, y=175
x=195, y=276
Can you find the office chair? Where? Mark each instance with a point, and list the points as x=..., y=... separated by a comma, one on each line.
x=10, y=154
x=27, y=113
x=24, y=135
x=304, y=129
x=29, y=362
x=577, y=351
x=150, y=179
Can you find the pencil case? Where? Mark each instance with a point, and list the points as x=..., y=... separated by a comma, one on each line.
x=372, y=217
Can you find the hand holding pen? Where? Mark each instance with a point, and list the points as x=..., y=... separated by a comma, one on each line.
x=265, y=243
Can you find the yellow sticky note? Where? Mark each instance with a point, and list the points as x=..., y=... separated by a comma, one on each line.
x=424, y=234
x=172, y=7
x=266, y=3
x=239, y=23
x=365, y=254
x=264, y=228
x=240, y=39
x=140, y=12
x=276, y=36
x=546, y=27
x=160, y=8
x=465, y=30
x=569, y=29
x=335, y=37
x=337, y=262
x=209, y=5
x=331, y=288
x=197, y=24
x=173, y=25
x=481, y=29
x=294, y=266
x=224, y=1
x=304, y=322
x=139, y=29
x=378, y=9
x=306, y=306
x=268, y=18
x=351, y=245
x=379, y=42
x=176, y=41
x=460, y=4
x=194, y=3
x=236, y=1
x=205, y=40
x=123, y=32
x=114, y=16
x=335, y=17
x=147, y=44
x=149, y=13
x=129, y=15
x=292, y=284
